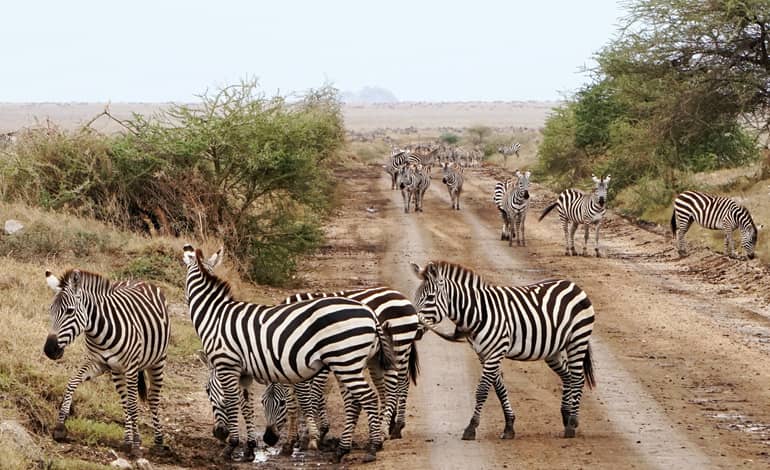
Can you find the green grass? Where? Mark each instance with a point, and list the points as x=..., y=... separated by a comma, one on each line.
x=75, y=464
x=91, y=432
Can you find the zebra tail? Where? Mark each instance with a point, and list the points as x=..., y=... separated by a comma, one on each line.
x=414, y=363
x=386, y=358
x=547, y=210
x=588, y=368
x=673, y=223
x=141, y=386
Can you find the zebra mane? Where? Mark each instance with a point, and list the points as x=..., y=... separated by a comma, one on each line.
x=87, y=278
x=456, y=271
x=212, y=278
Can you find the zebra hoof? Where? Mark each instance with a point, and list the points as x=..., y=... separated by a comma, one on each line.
x=134, y=451
x=339, y=454
x=469, y=434
x=371, y=454
x=161, y=450
x=569, y=432
x=248, y=453
x=59, y=432
x=395, y=431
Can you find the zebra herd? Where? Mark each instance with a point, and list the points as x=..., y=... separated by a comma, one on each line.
x=411, y=173
x=294, y=347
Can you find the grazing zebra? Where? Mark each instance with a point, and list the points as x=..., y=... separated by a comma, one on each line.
x=501, y=189
x=399, y=321
x=515, y=205
x=290, y=344
x=397, y=162
x=414, y=181
x=715, y=213
x=453, y=179
x=577, y=208
x=126, y=329
x=506, y=150
x=550, y=320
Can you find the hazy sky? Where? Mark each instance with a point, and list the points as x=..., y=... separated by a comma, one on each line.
x=158, y=50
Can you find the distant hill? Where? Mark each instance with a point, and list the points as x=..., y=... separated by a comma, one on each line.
x=368, y=95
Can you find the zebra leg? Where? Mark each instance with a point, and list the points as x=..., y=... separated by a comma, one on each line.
x=585, y=239
x=523, y=239
x=233, y=399
x=502, y=395
x=558, y=363
x=247, y=409
x=729, y=245
x=361, y=392
x=352, y=410
x=126, y=386
x=86, y=372
x=488, y=377
x=155, y=379
x=304, y=392
x=512, y=228
x=573, y=228
x=566, y=226
x=576, y=354
x=683, y=226
x=596, y=242
x=399, y=421
x=319, y=398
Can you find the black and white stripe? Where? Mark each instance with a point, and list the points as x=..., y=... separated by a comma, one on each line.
x=550, y=320
x=512, y=149
x=288, y=344
x=715, y=213
x=397, y=161
x=577, y=208
x=501, y=188
x=414, y=181
x=126, y=329
x=515, y=205
x=453, y=179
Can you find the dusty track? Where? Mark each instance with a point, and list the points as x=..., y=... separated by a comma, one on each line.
x=681, y=347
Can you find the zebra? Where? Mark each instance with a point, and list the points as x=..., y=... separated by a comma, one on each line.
x=506, y=150
x=126, y=329
x=414, y=181
x=290, y=344
x=396, y=162
x=453, y=179
x=399, y=321
x=550, y=320
x=501, y=189
x=716, y=213
x=577, y=208
x=515, y=205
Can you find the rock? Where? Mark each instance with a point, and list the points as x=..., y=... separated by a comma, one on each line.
x=12, y=226
x=14, y=433
x=142, y=464
x=120, y=463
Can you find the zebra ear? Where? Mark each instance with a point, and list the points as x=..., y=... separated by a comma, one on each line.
x=188, y=254
x=52, y=281
x=417, y=270
x=527, y=174
x=595, y=179
x=216, y=258
x=607, y=179
x=203, y=358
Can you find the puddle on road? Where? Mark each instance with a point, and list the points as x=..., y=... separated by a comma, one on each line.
x=737, y=422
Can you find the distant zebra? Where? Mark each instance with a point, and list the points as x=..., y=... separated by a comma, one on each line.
x=550, y=320
x=576, y=208
x=126, y=328
x=414, y=181
x=399, y=321
x=501, y=188
x=715, y=213
x=506, y=150
x=288, y=344
x=453, y=179
x=515, y=205
x=398, y=161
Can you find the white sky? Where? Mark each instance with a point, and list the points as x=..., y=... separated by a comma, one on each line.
x=158, y=50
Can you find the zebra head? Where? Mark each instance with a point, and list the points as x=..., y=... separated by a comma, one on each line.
x=274, y=400
x=748, y=231
x=522, y=183
x=217, y=398
x=431, y=295
x=406, y=176
x=194, y=261
x=600, y=190
x=69, y=317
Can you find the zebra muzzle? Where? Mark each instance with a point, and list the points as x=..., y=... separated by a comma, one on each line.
x=601, y=201
x=52, y=349
x=220, y=432
x=270, y=437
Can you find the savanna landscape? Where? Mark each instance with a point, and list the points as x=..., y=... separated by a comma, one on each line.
x=298, y=195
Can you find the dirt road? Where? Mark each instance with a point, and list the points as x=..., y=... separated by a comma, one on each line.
x=681, y=346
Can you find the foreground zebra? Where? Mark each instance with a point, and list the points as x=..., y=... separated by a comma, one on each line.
x=453, y=179
x=399, y=321
x=414, y=181
x=550, y=320
x=515, y=205
x=576, y=208
x=501, y=188
x=716, y=213
x=126, y=329
x=289, y=344
x=399, y=159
